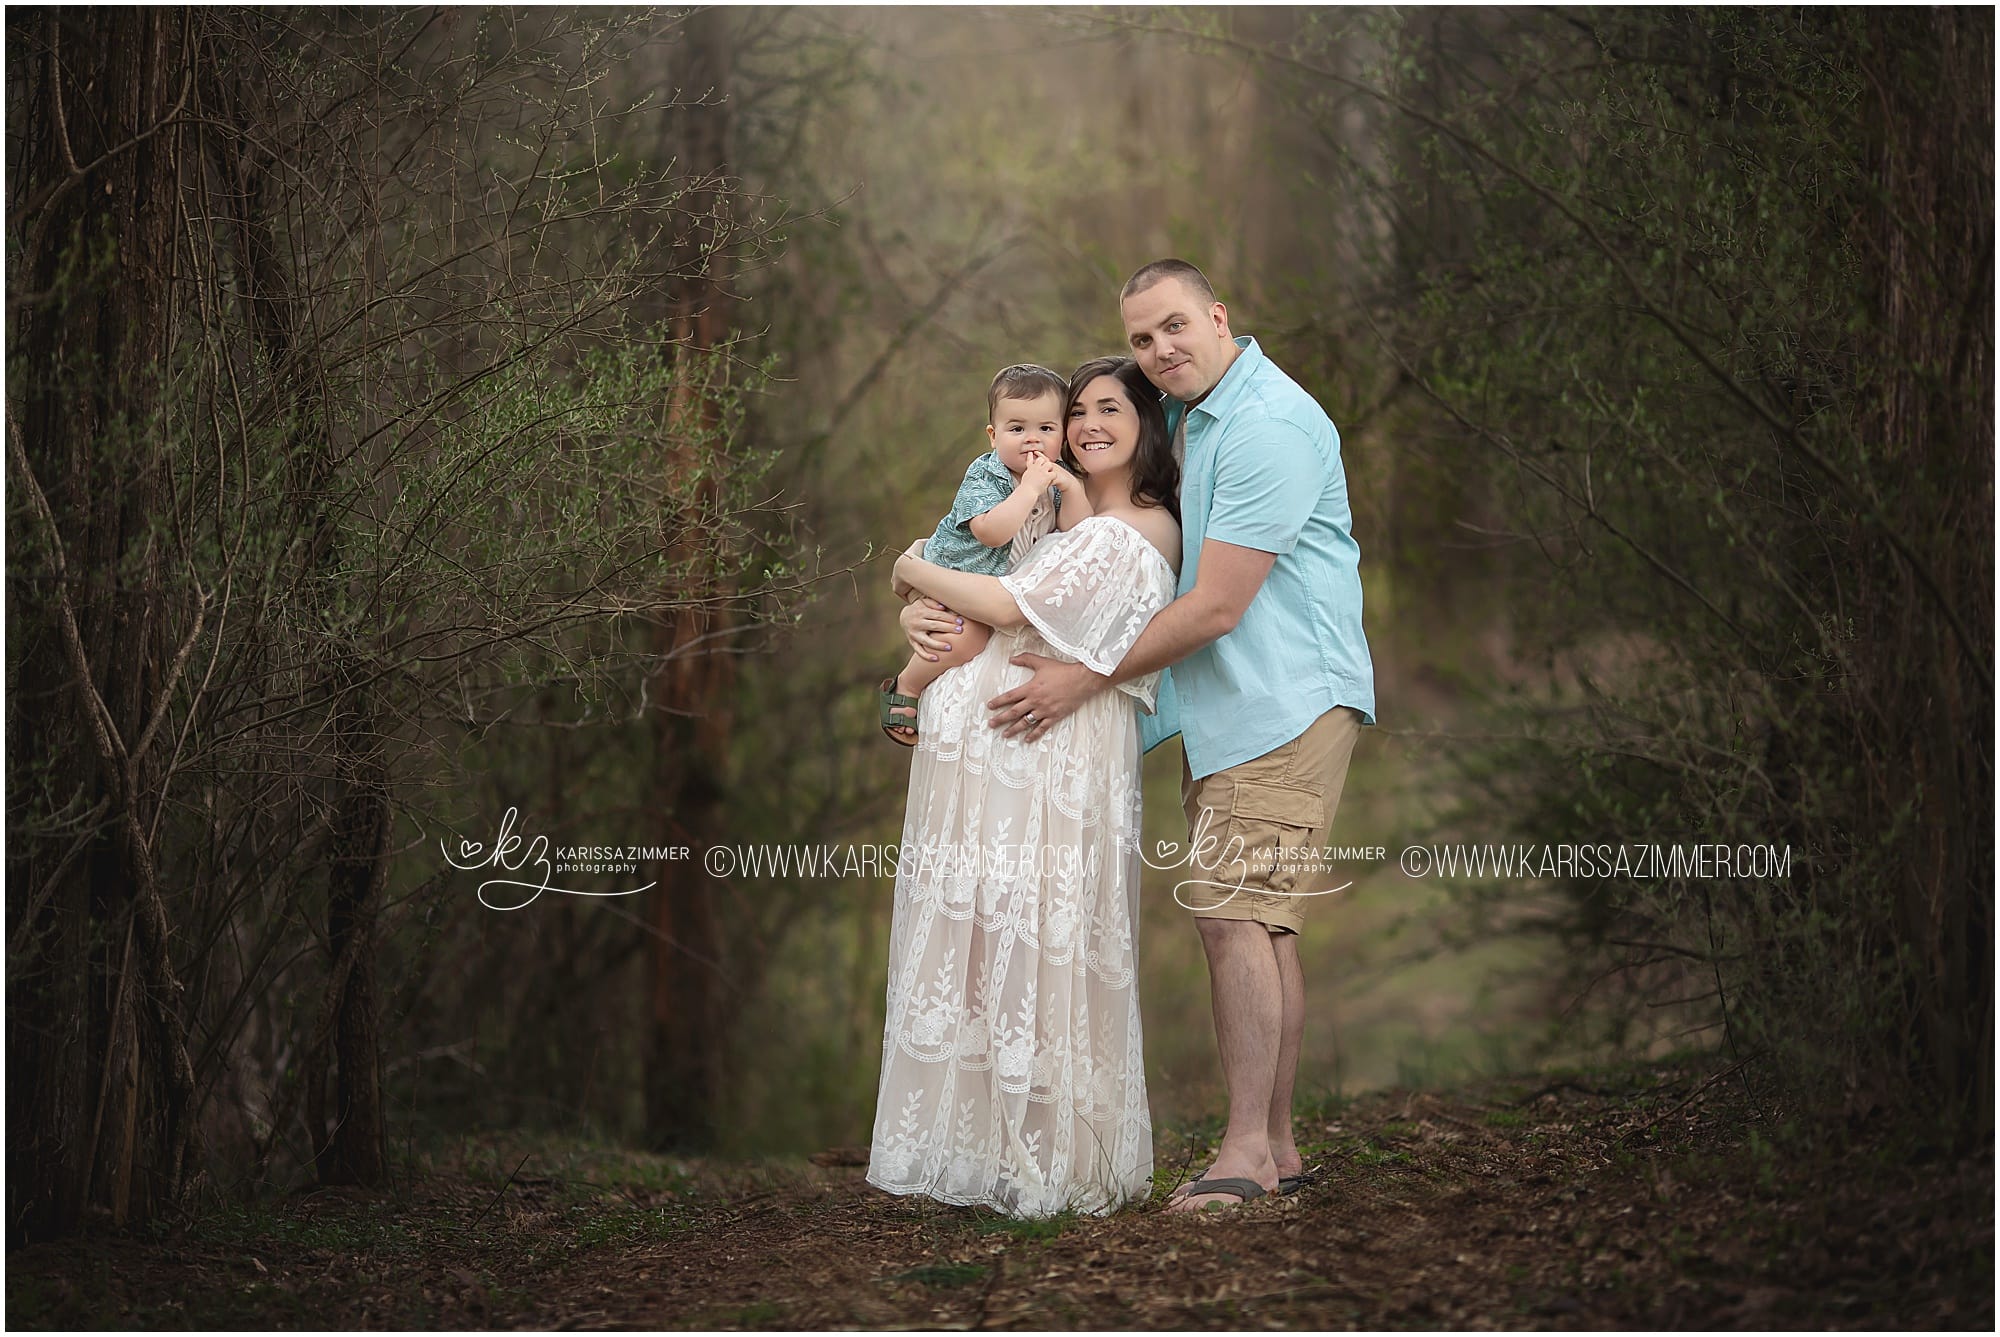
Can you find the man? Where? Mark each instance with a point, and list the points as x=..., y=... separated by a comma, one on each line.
x=1273, y=681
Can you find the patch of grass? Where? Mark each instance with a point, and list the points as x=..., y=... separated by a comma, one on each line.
x=1071, y=1313
x=258, y=1304
x=575, y=1162
x=1204, y=1131
x=1037, y=1228
x=1324, y=1108
x=1505, y=1118
x=376, y=1227
x=1764, y=1157
x=756, y=1314
x=943, y=1276
x=33, y=1302
x=646, y=1223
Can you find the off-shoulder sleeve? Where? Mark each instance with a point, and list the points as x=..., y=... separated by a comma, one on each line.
x=1090, y=591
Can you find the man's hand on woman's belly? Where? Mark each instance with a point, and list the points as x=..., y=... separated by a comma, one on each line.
x=1057, y=690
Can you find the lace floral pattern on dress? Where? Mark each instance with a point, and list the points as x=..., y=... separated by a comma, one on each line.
x=1061, y=591
x=1013, y=1071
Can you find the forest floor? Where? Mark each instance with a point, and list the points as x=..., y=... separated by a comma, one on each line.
x=1652, y=1196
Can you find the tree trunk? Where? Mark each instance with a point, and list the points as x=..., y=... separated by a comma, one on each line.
x=1933, y=235
x=354, y=1149
x=684, y=1071
x=100, y=1091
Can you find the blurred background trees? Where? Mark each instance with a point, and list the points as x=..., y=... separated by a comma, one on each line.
x=360, y=411
x=1708, y=336
x=416, y=415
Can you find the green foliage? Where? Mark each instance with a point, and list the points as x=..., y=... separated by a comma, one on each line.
x=1719, y=380
x=430, y=454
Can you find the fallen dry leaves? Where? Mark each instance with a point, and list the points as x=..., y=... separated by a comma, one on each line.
x=1658, y=1201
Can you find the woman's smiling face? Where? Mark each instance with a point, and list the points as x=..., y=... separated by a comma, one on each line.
x=1103, y=427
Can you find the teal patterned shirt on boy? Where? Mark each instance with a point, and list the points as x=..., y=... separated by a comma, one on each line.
x=1262, y=470
x=987, y=484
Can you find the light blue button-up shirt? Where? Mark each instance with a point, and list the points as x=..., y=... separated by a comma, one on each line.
x=1263, y=471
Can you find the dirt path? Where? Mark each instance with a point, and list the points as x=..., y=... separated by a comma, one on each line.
x=1657, y=1198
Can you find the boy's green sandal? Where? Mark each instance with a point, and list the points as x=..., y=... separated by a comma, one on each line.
x=892, y=723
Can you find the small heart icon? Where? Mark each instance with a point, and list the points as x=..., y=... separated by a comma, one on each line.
x=1168, y=849
x=468, y=848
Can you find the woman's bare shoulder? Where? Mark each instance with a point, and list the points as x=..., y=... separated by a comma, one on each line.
x=1160, y=529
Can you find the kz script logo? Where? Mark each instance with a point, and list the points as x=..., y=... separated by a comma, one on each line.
x=508, y=854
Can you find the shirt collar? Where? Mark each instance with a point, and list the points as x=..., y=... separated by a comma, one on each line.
x=1230, y=388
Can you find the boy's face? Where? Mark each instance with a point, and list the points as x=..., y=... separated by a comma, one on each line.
x=1022, y=425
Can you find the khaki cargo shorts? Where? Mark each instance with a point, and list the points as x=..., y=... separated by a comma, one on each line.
x=1265, y=819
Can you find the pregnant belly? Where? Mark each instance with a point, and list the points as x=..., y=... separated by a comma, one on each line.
x=953, y=715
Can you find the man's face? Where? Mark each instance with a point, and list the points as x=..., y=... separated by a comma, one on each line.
x=1182, y=345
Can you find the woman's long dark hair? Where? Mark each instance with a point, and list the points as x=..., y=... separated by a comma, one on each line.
x=1156, y=479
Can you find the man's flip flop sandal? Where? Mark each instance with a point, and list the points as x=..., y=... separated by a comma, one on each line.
x=891, y=722
x=1290, y=1184
x=1245, y=1189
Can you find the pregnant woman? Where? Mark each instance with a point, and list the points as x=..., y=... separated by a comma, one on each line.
x=1012, y=1071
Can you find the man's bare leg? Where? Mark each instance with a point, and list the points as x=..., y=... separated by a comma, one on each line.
x=1291, y=1039
x=1249, y=1007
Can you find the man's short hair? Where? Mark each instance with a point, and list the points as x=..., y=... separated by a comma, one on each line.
x=1024, y=380
x=1149, y=274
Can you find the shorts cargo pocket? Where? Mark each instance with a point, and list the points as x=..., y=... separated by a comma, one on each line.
x=1276, y=824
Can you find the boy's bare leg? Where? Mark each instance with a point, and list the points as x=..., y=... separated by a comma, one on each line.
x=920, y=673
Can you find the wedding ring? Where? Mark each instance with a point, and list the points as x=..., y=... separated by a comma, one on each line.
x=1031, y=717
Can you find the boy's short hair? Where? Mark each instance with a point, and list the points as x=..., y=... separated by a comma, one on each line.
x=1024, y=380
x=1148, y=274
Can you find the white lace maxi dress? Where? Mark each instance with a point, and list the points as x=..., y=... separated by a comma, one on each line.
x=1012, y=1065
